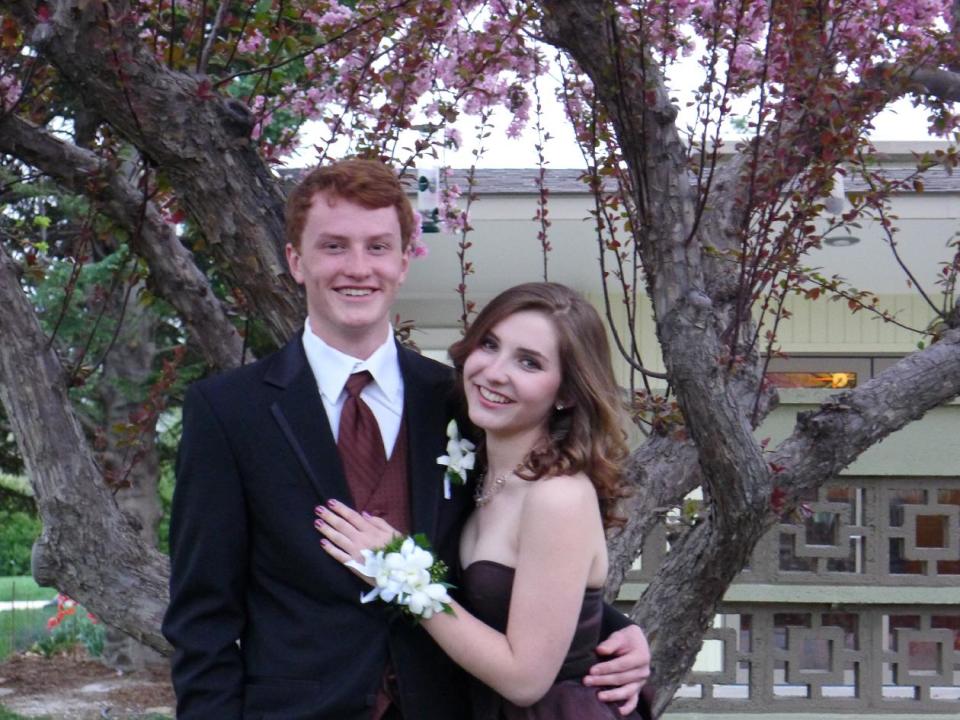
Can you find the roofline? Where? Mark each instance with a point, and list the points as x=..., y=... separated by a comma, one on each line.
x=900, y=155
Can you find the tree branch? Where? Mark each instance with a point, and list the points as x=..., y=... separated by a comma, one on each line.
x=196, y=138
x=661, y=472
x=936, y=82
x=212, y=37
x=715, y=392
x=173, y=274
x=689, y=325
x=828, y=439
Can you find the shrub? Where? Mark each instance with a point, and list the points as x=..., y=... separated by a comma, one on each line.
x=18, y=530
x=165, y=490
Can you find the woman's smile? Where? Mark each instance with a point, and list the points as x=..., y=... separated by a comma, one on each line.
x=493, y=396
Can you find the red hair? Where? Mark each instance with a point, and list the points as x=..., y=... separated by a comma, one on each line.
x=368, y=183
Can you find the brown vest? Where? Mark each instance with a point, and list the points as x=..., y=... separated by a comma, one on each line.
x=390, y=500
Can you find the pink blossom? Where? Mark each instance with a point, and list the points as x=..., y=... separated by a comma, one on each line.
x=262, y=123
x=252, y=43
x=433, y=56
x=452, y=137
x=10, y=90
x=455, y=221
x=336, y=15
x=515, y=128
x=416, y=245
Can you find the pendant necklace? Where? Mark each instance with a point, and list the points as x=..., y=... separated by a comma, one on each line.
x=483, y=494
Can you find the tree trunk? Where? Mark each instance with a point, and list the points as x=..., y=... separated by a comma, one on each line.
x=88, y=548
x=716, y=376
x=131, y=465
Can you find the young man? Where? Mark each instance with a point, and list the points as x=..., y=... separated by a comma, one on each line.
x=264, y=623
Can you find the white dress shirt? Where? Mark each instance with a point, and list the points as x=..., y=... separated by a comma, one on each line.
x=384, y=396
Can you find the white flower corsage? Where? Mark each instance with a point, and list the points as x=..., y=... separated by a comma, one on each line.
x=460, y=457
x=406, y=573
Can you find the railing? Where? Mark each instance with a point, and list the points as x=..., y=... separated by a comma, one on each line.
x=853, y=606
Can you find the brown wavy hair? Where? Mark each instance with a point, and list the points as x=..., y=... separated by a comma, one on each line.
x=586, y=435
x=368, y=183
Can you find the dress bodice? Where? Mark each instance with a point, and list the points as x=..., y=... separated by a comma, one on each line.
x=487, y=586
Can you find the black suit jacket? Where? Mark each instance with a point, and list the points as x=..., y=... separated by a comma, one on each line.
x=256, y=456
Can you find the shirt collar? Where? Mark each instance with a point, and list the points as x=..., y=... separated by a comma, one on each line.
x=331, y=367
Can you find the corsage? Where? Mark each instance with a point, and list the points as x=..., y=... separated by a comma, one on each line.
x=406, y=573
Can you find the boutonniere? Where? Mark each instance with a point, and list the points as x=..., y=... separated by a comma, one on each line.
x=459, y=459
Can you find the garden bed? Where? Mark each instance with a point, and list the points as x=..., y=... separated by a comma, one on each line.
x=74, y=687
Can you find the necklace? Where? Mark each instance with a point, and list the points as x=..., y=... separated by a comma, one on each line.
x=482, y=495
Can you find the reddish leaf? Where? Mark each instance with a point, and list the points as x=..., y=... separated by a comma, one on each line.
x=205, y=90
x=777, y=499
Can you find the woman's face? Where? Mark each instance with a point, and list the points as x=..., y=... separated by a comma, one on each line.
x=512, y=378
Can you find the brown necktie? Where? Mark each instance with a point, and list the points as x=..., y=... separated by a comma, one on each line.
x=360, y=443
x=364, y=463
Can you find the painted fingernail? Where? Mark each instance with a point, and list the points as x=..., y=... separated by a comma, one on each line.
x=319, y=509
x=333, y=503
x=366, y=514
x=318, y=524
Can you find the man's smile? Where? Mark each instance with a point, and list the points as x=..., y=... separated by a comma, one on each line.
x=355, y=292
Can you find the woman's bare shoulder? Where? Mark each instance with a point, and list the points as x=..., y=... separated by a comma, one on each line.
x=563, y=494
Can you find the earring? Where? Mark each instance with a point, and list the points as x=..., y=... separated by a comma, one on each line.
x=559, y=406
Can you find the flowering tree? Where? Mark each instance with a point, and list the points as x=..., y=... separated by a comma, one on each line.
x=166, y=115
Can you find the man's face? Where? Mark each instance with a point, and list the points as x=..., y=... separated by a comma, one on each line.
x=351, y=264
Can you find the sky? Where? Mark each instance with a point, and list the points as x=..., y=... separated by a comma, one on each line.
x=901, y=121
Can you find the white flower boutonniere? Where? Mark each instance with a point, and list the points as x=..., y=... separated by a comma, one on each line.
x=459, y=459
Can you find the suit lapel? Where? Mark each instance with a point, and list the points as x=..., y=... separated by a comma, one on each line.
x=425, y=406
x=301, y=416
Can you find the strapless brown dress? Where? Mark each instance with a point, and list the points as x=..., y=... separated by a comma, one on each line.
x=486, y=587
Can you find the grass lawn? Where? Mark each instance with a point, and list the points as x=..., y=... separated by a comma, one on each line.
x=26, y=589
x=7, y=715
x=20, y=629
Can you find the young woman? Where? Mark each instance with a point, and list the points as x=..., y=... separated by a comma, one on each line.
x=535, y=370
